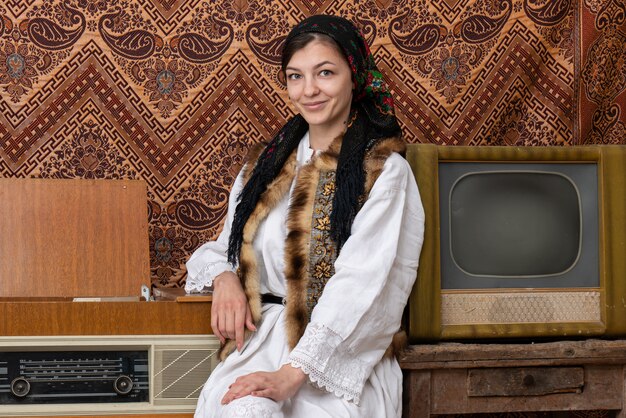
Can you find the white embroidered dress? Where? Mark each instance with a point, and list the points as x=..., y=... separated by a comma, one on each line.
x=352, y=325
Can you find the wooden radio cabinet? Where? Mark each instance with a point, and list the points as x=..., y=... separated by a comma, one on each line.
x=74, y=260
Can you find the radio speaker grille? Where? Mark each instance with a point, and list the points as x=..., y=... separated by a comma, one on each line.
x=179, y=374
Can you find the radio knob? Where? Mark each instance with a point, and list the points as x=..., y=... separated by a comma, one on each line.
x=123, y=385
x=20, y=387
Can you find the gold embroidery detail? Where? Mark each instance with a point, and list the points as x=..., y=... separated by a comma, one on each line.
x=323, y=251
x=322, y=270
x=323, y=224
x=329, y=189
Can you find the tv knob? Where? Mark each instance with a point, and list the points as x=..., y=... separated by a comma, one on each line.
x=20, y=387
x=123, y=385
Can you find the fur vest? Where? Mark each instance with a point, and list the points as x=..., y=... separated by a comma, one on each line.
x=308, y=225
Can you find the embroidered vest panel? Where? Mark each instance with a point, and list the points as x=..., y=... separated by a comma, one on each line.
x=323, y=250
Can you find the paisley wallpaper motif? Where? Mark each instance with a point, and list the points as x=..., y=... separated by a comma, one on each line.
x=175, y=92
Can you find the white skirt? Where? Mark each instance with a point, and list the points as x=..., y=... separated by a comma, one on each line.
x=267, y=350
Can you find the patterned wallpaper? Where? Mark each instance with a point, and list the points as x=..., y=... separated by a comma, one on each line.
x=174, y=92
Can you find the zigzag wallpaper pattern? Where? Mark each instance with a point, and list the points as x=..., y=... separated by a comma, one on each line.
x=174, y=92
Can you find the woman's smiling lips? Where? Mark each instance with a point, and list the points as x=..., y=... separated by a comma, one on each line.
x=314, y=105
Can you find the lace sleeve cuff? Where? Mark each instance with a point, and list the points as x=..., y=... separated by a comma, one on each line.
x=204, y=279
x=328, y=366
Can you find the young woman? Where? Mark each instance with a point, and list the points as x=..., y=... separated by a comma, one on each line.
x=320, y=246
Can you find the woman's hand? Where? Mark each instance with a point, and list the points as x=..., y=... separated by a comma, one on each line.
x=230, y=311
x=279, y=385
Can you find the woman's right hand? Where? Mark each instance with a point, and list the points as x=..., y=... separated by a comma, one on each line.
x=230, y=311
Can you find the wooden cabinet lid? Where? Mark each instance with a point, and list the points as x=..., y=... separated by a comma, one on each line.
x=73, y=238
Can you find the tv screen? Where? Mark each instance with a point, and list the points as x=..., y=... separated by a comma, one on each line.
x=518, y=225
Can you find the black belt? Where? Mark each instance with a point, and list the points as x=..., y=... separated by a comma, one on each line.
x=269, y=298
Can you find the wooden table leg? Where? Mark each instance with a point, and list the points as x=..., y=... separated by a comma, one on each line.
x=417, y=394
x=622, y=412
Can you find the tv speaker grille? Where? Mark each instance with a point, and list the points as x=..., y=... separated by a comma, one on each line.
x=519, y=307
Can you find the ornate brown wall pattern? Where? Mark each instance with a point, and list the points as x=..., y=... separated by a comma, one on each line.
x=174, y=92
x=603, y=73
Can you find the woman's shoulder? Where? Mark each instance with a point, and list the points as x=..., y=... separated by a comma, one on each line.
x=396, y=170
x=376, y=158
x=386, y=163
x=387, y=146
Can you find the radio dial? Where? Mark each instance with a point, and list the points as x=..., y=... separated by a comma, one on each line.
x=20, y=387
x=123, y=385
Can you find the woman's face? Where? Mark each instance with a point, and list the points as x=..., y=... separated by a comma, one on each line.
x=319, y=84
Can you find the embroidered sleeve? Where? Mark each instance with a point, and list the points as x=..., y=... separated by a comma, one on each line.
x=204, y=280
x=319, y=355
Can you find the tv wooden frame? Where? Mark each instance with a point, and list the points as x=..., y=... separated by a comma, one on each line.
x=425, y=304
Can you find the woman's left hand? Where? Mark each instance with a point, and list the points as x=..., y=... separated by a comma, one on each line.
x=279, y=385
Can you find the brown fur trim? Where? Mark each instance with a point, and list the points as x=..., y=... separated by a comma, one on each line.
x=250, y=160
x=247, y=264
x=297, y=247
x=228, y=347
x=376, y=157
x=248, y=271
x=398, y=343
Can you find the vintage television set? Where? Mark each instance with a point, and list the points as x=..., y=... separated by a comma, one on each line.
x=520, y=243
